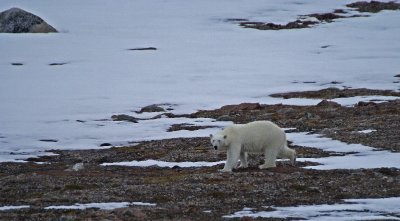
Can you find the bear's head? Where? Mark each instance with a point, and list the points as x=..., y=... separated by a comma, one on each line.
x=219, y=141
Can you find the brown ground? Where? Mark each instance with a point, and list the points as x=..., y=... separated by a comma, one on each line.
x=185, y=193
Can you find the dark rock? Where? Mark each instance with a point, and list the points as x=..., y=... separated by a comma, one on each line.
x=271, y=26
x=58, y=63
x=397, y=76
x=236, y=20
x=374, y=6
x=16, y=20
x=143, y=49
x=241, y=107
x=17, y=64
x=152, y=108
x=364, y=104
x=124, y=117
x=339, y=11
x=105, y=145
x=49, y=140
x=326, y=17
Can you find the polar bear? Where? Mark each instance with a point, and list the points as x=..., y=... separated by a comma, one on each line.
x=255, y=137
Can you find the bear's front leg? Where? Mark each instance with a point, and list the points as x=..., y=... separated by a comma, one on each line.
x=243, y=160
x=232, y=158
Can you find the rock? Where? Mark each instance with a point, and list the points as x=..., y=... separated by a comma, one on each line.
x=124, y=117
x=58, y=63
x=152, y=108
x=286, y=111
x=105, y=145
x=374, y=6
x=326, y=103
x=242, y=107
x=49, y=140
x=326, y=17
x=364, y=104
x=16, y=20
x=78, y=166
x=143, y=49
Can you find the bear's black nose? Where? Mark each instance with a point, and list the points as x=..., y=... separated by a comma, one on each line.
x=215, y=147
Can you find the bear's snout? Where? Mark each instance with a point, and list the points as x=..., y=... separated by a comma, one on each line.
x=215, y=147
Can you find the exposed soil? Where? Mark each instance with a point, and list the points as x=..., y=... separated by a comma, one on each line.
x=186, y=193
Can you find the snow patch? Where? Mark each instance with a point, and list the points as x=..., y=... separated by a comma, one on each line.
x=351, y=209
x=101, y=206
x=358, y=156
x=4, y=208
x=366, y=131
x=149, y=163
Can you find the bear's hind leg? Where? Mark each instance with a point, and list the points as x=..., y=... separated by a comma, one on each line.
x=270, y=159
x=243, y=160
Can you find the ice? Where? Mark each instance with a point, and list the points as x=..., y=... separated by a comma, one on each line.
x=350, y=209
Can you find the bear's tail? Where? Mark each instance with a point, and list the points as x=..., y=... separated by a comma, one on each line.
x=289, y=154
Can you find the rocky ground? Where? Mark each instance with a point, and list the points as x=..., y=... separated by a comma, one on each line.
x=205, y=193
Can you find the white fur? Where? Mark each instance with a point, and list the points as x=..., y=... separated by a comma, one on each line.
x=262, y=137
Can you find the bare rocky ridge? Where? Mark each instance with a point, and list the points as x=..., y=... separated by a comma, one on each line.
x=185, y=193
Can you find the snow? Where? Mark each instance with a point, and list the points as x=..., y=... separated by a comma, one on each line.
x=201, y=62
x=101, y=206
x=350, y=209
x=4, y=208
x=366, y=131
x=149, y=163
x=356, y=155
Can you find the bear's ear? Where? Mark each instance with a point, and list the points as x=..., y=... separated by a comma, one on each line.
x=225, y=136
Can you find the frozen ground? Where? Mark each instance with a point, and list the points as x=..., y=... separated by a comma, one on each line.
x=201, y=62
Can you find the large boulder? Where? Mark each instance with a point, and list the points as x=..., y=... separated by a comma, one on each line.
x=16, y=20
